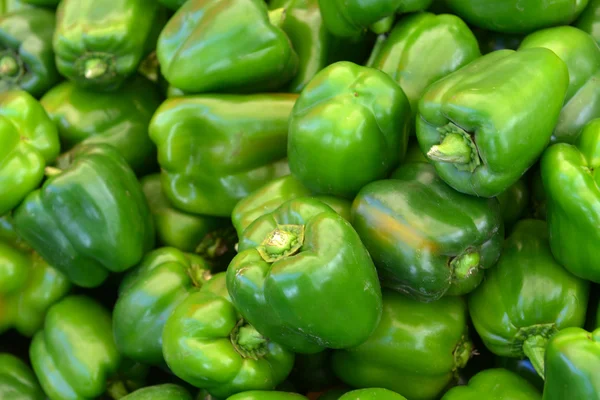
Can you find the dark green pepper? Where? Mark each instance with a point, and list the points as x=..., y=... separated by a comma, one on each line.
x=499, y=383
x=166, y=391
x=589, y=20
x=521, y=367
x=42, y=3
x=264, y=395
x=17, y=381
x=513, y=203
x=172, y=4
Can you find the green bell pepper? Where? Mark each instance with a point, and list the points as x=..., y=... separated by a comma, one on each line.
x=372, y=394
x=517, y=16
x=570, y=177
x=426, y=239
x=589, y=20
x=9, y=235
x=90, y=219
x=303, y=278
x=521, y=367
x=527, y=297
x=572, y=364
x=42, y=3
x=415, y=351
x=538, y=194
x=99, y=43
x=118, y=118
x=349, y=127
x=29, y=142
x=26, y=55
x=265, y=395
x=581, y=54
x=484, y=125
x=513, y=203
x=499, y=383
x=414, y=153
x=254, y=54
x=166, y=391
x=214, y=150
x=172, y=4
x=17, y=381
x=447, y=41
x=8, y=6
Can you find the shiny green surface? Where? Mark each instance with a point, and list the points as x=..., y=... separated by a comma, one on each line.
x=372, y=394
x=17, y=381
x=415, y=351
x=495, y=384
x=167, y=391
x=348, y=127
x=264, y=395
x=589, y=20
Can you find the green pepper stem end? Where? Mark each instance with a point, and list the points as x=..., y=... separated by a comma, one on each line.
x=534, y=348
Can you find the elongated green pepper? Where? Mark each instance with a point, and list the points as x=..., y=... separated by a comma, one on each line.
x=17, y=380
x=498, y=382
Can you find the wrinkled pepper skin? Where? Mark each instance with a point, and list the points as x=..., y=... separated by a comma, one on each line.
x=214, y=150
x=118, y=118
x=166, y=391
x=26, y=55
x=589, y=20
x=28, y=287
x=581, y=54
x=426, y=239
x=118, y=34
x=303, y=278
x=372, y=394
x=90, y=219
x=207, y=344
x=572, y=365
x=415, y=351
x=482, y=149
x=255, y=54
x=527, y=297
x=17, y=381
x=349, y=118
x=516, y=16
x=447, y=41
x=264, y=395
x=513, y=203
x=495, y=384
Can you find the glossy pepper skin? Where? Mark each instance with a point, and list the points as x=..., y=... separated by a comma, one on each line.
x=26, y=55
x=426, y=239
x=214, y=150
x=17, y=381
x=166, y=391
x=118, y=34
x=415, y=351
x=589, y=20
x=495, y=384
x=348, y=127
x=29, y=142
x=447, y=41
x=255, y=54
x=482, y=149
x=572, y=362
x=372, y=394
x=90, y=219
x=527, y=297
x=303, y=278
x=570, y=178
x=265, y=395
x=581, y=54
x=516, y=16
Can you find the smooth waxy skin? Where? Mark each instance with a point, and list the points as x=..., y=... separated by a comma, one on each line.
x=119, y=118
x=447, y=41
x=570, y=178
x=581, y=54
x=572, y=365
x=264, y=395
x=29, y=142
x=26, y=40
x=167, y=391
x=349, y=118
x=415, y=226
x=517, y=16
x=589, y=20
x=17, y=381
x=501, y=142
x=415, y=351
x=372, y=394
x=324, y=295
x=255, y=55
x=527, y=296
x=495, y=384
x=90, y=219
x=214, y=150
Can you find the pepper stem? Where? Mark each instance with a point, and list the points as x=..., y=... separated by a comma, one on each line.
x=383, y=25
x=52, y=171
x=462, y=353
x=94, y=68
x=8, y=66
x=198, y=275
x=283, y=241
x=457, y=147
x=247, y=341
x=117, y=390
x=463, y=265
x=534, y=348
x=277, y=16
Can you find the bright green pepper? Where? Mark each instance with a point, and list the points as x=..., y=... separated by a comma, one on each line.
x=8, y=6
x=572, y=365
x=214, y=150
x=415, y=351
x=527, y=297
x=254, y=54
x=303, y=278
x=447, y=41
x=414, y=153
x=118, y=118
x=264, y=395
x=484, y=125
x=26, y=55
x=427, y=240
x=17, y=381
x=517, y=16
x=166, y=391
x=570, y=177
x=499, y=383
x=589, y=20
x=29, y=142
x=513, y=203
x=340, y=205
x=372, y=394
x=99, y=43
x=9, y=235
x=348, y=127
x=90, y=219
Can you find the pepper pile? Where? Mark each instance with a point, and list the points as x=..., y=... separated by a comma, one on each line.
x=299, y=199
